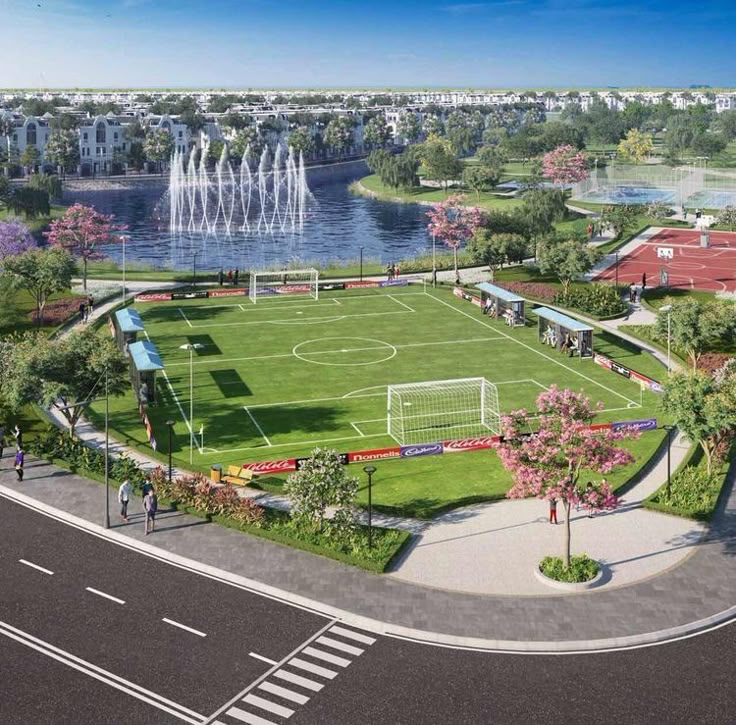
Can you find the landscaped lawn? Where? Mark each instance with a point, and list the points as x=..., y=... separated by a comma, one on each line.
x=279, y=378
x=16, y=308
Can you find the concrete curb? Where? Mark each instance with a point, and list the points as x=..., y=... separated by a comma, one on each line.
x=385, y=628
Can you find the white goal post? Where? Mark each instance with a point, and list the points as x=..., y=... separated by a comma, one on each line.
x=442, y=410
x=300, y=282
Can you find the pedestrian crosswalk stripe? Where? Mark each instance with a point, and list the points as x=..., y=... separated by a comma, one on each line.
x=315, y=669
x=298, y=680
x=248, y=717
x=268, y=705
x=284, y=693
x=349, y=648
x=365, y=639
x=326, y=656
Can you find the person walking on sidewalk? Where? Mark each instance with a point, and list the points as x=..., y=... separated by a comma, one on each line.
x=553, y=510
x=123, y=498
x=18, y=434
x=150, y=503
x=20, y=459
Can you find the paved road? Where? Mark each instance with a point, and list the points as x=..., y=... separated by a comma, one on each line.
x=64, y=647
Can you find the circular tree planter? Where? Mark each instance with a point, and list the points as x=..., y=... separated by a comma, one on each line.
x=569, y=586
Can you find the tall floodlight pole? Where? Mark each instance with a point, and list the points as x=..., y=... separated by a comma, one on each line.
x=191, y=346
x=370, y=470
x=669, y=429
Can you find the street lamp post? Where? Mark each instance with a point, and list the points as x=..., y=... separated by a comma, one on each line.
x=194, y=269
x=191, y=346
x=370, y=470
x=669, y=429
x=668, y=310
x=361, y=264
x=170, y=424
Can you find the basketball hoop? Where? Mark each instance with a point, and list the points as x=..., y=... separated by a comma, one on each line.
x=665, y=252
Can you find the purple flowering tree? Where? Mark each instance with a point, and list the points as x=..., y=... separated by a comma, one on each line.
x=14, y=239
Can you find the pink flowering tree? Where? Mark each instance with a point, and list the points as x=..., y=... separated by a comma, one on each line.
x=565, y=165
x=549, y=462
x=82, y=231
x=14, y=239
x=453, y=223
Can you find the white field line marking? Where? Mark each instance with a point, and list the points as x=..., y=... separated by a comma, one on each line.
x=306, y=320
x=274, y=671
x=256, y=656
x=248, y=717
x=267, y=705
x=255, y=423
x=399, y=302
x=181, y=312
x=102, y=675
x=218, y=361
x=357, y=636
x=36, y=566
x=283, y=692
x=538, y=352
x=360, y=432
x=183, y=626
x=107, y=596
x=241, y=307
x=341, y=646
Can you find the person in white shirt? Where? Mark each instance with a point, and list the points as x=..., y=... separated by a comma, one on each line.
x=123, y=498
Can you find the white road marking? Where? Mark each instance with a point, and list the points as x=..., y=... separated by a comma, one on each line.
x=326, y=656
x=248, y=717
x=314, y=669
x=183, y=626
x=185, y=317
x=358, y=637
x=349, y=648
x=283, y=692
x=106, y=596
x=104, y=676
x=262, y=658
x=255, y=423
x=298, y=680
x=265, y=704
x=36, y=566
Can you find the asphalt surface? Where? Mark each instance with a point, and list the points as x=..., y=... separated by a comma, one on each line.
x=348, y=676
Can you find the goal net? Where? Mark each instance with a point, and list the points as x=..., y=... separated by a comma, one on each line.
x=442, y=410
x=302, y=282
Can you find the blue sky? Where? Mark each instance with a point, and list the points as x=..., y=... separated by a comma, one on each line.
x=373, y=43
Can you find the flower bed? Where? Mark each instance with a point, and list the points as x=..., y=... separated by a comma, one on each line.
x=582, y=569
x=57, y=312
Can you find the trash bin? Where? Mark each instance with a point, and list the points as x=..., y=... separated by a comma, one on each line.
x=216, y=473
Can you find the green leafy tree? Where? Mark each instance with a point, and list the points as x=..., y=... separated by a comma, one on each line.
x=136, y=155
x=41, y=272
x=339, y=134
x=6, y=189
x=158, y=146
x=480, y=178
x=567, y=260
x=322, y=482
x=50, y=183
x=62, y=149
x=64, y=372
x=301, y=141
x=541, y=208
x=621, y=217
x=433, y=126
x=30, y=157
x=377, y=133
x=658, y=210
x=29, y=201
x=460, y=132
x=696, y=326
x=703, y=408
x=409, y=127
x=636, y=147
x=727, y=217
x=245, y=139
x=490, y=155
x=439, y=160
x=214, y=151
x=495, y=250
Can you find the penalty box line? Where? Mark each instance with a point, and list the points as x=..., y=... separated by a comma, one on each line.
x=305, y=321
x=538, y=352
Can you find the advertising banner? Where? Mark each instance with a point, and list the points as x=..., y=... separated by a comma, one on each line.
x=421, y=449
x=331, y=285
x=625, y=372
x=154, y=297
x=394, y=283
x=188, y=295
x=283, y=465
x=361, y=283
x=237, y=292
x=375, y=454
x=469, y=444
x=463, y=295
x=343, y=457
x=640, y=425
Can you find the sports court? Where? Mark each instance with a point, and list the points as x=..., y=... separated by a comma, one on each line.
x=690, y=266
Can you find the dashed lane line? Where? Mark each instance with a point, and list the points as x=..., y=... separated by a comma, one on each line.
x=183, y=626
x=106, y=596
x=36, y=566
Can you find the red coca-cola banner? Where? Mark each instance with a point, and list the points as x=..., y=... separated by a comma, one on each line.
x=361, y=283
x=375, y=454
x=281, y=466
x=154, y=297
x=469, y=444
x=236, y=292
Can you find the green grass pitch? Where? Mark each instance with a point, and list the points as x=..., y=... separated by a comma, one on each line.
x=277, y=378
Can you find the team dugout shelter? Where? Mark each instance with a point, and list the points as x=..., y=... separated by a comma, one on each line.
x=498, y=302
x=129, y=324
x=564, y=333
x=145, y=362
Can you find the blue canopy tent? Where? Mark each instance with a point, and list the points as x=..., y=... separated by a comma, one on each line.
x=564, y=333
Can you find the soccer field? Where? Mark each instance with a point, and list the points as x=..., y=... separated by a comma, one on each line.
x=275, y=379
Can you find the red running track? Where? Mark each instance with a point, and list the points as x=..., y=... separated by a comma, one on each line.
x=692, y=266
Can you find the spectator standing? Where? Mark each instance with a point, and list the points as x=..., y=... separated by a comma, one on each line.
x=83, y=311
x=90, y=306
x=235, y=276
x=20, y=459
x=553, y=510
x=124, y=498
x=150, y=504
x=643, y=284
x=220, y=278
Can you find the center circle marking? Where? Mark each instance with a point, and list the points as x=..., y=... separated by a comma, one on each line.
x=380, y=350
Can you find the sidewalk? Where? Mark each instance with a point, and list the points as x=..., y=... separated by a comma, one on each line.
x=701, y=588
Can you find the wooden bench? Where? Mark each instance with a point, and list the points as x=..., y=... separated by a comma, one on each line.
x=238, y=476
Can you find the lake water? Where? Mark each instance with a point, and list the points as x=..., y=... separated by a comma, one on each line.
x=339, y=224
